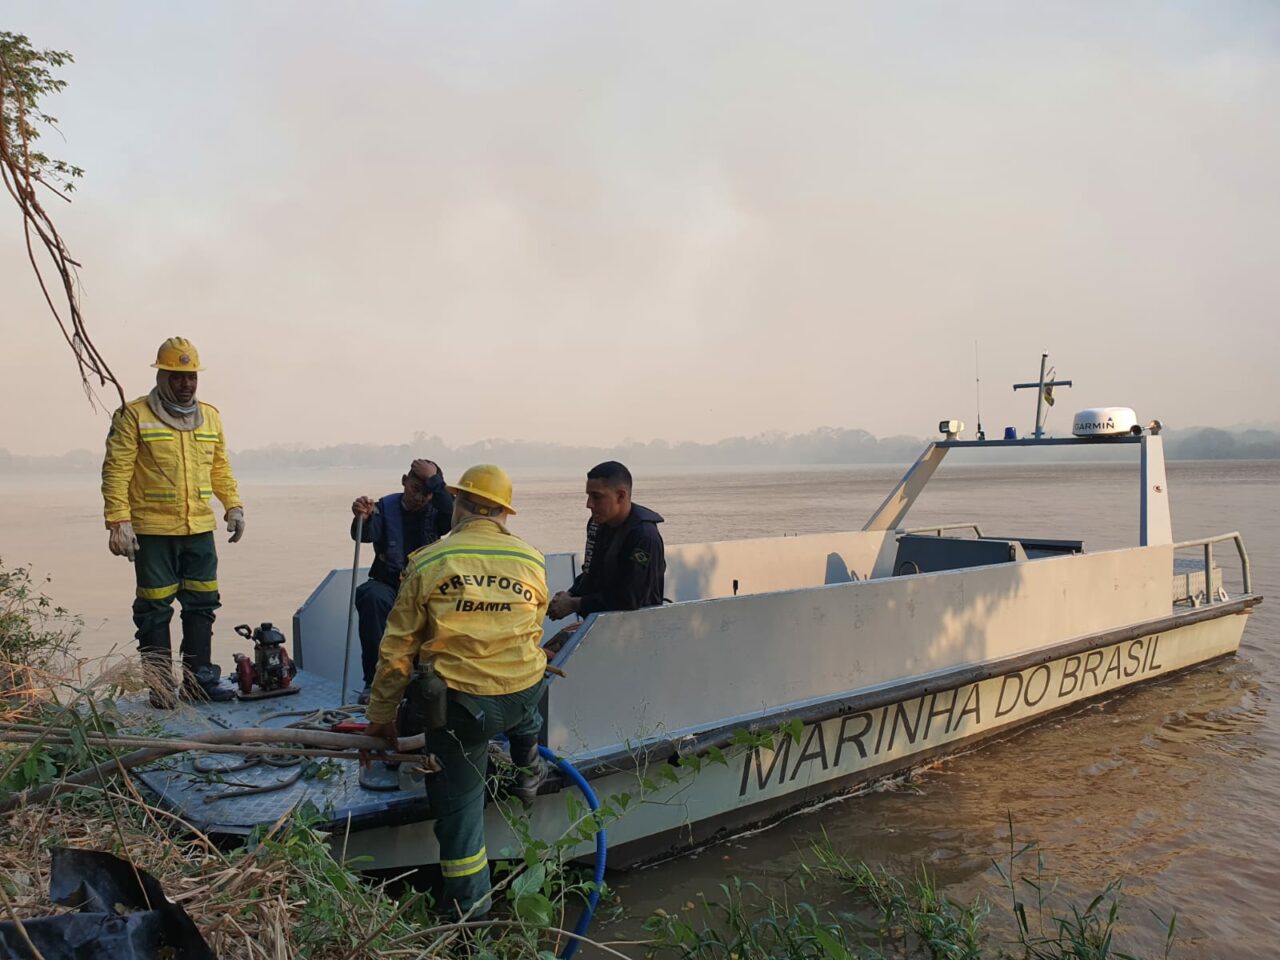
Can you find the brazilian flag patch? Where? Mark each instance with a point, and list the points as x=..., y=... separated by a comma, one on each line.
x=639, y=556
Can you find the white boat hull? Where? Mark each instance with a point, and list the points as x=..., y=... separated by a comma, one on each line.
x=746, y=785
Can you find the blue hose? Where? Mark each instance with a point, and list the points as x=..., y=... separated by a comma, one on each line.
x=602, y=848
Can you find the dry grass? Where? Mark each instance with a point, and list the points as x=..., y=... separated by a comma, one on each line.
x=250, y=904
x=281, y=896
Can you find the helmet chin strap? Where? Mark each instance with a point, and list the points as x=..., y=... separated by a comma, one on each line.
x=481, y=509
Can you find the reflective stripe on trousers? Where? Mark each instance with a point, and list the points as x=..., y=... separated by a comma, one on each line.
x=466, y=866
x=185, y=567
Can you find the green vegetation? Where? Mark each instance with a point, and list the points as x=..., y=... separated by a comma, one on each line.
x=879, y=916
x=26, y=82
x=35, y=634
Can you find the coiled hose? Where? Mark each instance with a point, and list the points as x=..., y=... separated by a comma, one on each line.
x=602, y=849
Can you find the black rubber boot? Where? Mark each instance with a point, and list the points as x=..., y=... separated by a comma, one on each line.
x=201, y=680
x=156, y=652
x=197, y=641
x=205, y=685
x=532, y=769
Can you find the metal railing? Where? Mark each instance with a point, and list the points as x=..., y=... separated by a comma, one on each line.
x=936, y=530
x=1207, y=544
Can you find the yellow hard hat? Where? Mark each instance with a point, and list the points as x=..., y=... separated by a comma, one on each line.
x=487, y=482
x=179, y=355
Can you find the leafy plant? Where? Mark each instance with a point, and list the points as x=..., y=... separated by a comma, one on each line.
x=34, y=633
x=27, y=80
x=880, y=916
x=736, y=927
x=544, y=886
x=1087, y=934
x=337, y=906
x=906, y=917
x=67, y=748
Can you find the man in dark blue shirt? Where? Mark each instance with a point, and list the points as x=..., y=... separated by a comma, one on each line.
x=396, y=525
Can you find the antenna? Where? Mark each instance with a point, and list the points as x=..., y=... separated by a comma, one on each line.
x=977, y=390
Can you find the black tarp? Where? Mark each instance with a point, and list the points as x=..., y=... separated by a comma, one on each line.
x=124, y=915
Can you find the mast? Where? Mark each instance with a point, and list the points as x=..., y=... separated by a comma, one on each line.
x=977, y=390
x=1044, y=392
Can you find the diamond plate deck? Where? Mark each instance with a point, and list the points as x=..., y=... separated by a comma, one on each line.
x=193, y=796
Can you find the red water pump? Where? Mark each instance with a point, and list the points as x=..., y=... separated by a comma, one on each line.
x=271, y=671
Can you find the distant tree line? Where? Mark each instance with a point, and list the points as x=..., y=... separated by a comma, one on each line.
x=76, y=461
x=823, y=446
x=1211, y=443
x=826, y=445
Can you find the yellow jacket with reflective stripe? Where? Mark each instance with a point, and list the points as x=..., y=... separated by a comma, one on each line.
x=473, y=603
x=161, y=478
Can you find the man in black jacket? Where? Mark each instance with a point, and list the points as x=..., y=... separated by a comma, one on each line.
x=623, y=564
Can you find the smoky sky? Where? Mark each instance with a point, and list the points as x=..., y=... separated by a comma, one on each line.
x=591, y=222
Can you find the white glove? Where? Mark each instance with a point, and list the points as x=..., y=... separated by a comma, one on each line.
x=235, y=523
x=123, y=542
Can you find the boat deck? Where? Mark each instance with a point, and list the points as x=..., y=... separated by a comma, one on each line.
x=198, y=797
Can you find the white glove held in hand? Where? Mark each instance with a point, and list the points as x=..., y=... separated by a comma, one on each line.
x=235, y=524
x=123, y=543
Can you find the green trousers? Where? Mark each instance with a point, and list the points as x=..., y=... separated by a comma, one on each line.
x=185, y=567
x=457, y=792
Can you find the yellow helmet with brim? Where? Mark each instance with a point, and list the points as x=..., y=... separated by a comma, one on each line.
x=178, y=355
x=487, y=482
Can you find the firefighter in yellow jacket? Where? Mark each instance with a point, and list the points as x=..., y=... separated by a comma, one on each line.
x=472, y=603
x=166, y=456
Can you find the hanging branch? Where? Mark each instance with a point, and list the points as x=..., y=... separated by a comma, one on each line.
x=24, y=77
